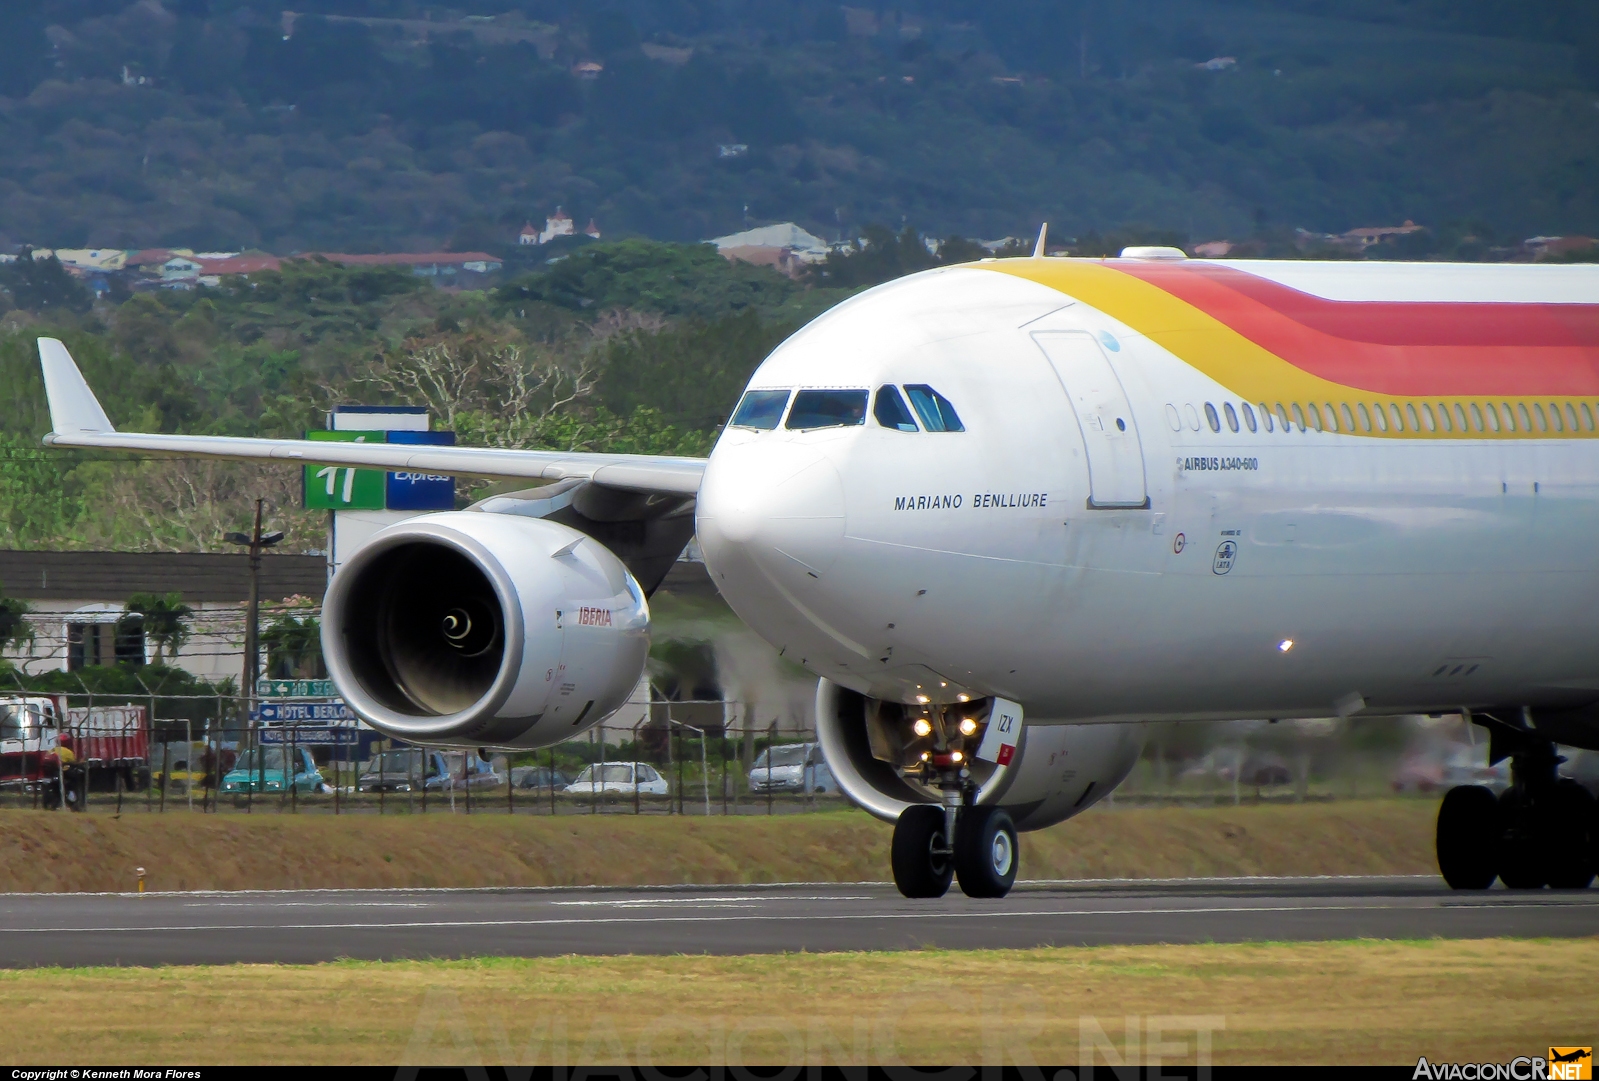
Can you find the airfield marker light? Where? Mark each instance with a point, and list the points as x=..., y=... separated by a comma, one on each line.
x=968, y=726
x=922, y=727
x=1285, y=645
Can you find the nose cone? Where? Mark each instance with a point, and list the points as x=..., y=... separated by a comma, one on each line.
x=770, y=506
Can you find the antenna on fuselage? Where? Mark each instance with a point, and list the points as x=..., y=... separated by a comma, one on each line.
x=1038, y=249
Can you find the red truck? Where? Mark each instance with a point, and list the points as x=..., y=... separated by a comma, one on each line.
x=103, y=743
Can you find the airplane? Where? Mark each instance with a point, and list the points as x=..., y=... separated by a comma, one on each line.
x=1576, y=1054
x=1009, y=512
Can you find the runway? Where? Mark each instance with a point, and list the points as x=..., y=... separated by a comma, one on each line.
x=318, y=925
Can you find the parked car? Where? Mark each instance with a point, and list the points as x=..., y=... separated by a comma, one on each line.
x=614, y=780
x=394, y=771
x=792, y=767
x=460, y=770
x=274, y=769
x=540, y=778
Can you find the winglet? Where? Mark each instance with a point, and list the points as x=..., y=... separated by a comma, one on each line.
x=73, y=406
x=1038, y=249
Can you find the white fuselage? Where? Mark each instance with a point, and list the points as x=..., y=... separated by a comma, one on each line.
x=1407, y=574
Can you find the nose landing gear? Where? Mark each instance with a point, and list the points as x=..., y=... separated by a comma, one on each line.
x=984, y=857
x=1541, y=831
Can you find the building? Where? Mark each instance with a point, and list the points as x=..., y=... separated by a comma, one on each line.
x=223, y=265
x=90, y=259
x=1366, y=236
x=592, y=231
x=1555, y=247
x=528, y=235
x=438, y=264
x=556, y=225
x=785, y=247
x=1213, y=249
x=79, y=599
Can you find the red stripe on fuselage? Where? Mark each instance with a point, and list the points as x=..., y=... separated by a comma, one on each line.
x=1419, y=349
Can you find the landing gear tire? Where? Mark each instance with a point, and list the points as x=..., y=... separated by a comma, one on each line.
x=922, y=867
x=1569, y=846
x=1467, y=834
x=986, y=854
x=1522, y=863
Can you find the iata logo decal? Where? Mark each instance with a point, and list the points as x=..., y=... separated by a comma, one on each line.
x=593, y=617
x=1226, y=556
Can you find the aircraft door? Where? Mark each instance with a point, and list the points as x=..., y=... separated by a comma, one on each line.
x=1110, y=435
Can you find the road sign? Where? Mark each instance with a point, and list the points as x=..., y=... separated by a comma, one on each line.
x=295, y=712
x=294, y=688
x=314, y=737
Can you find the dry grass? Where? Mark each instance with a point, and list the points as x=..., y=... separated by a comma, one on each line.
x=1341, y=1002
x=41, y=851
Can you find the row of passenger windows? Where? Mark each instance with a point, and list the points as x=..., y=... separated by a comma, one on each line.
x=1463, y=417
x=764, y=409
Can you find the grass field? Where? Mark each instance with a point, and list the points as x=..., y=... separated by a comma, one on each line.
x=1340, y=1002
x=44, y=851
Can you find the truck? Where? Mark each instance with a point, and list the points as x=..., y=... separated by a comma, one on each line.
x=103, y=744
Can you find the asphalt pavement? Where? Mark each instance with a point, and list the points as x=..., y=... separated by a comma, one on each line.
x=320, y=925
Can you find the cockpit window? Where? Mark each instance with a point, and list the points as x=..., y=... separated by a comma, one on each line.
x=934, y=409
x=891, y=411
x=760, y=409
x=827, y=409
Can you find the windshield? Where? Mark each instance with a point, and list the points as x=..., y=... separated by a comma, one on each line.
x=782, y=756
x=934, y=409
x=268, y=758
x=760, y=409
x=827, y=409
x=396, y=762
x=13, y=723
x=608, y=774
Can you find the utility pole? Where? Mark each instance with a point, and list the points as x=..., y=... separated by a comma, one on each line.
x=256, y=542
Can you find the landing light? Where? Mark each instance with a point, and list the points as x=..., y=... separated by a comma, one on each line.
x=955, y=756
x=963, y=698
x=923, y=699
x=926, y=755
x=1285, y=645
x=922, y=727
x=968, y=726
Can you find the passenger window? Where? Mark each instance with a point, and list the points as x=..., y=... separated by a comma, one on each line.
x=1426, y=412
x=1249, y=416
x=760, y=409
x=934, y=409
x=1543, y=421
x=1365, y=416
x=1555, y=418
x=1410, y=411
x=1265, y=415
x=1587, y=417
x=1396, y=417
x=1493, y=416
x=827, y=409
x=1193, y=416
x=1571, y=416
x=1349, y=418
x=1476, y=416
x=1331, y=416
x=1211, y=418
x=891, y=411
x=1460, y=416
x=1299, y=416
x=1380, y=415
x=1232, y=415
x=1443, y=416
x=1174, y=418
x=1526, y=421
x=1509, y=417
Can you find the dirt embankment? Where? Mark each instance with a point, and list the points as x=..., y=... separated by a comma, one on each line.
x=42, y=851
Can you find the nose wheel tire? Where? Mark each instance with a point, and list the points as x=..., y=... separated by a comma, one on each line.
x=986, y=853
x=1468, y=822
x=922, y=867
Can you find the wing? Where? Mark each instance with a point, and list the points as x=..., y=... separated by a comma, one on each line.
x=79, y=421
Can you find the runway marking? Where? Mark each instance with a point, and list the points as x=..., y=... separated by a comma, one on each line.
x=306, y=904
x=778, y=918
x=639, y=902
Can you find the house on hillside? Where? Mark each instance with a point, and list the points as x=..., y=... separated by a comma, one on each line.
x=528, y=235
x=1555, y=247
x=88, y=259
x=439, y=264
x=1365, y=236
x=556, y=225
x=785, y=247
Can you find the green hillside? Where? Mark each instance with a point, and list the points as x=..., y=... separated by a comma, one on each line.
x=393, y=124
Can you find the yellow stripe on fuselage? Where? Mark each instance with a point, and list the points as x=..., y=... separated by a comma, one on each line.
x=1262, y=378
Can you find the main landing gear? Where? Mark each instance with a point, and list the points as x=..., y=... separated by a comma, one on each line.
x=1541, y=831
x=983, y=857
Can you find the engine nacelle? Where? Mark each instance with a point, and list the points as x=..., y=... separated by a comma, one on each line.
x=470, y=628
x=1056, y=771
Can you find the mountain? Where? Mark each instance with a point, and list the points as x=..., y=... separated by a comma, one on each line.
x=362, y=125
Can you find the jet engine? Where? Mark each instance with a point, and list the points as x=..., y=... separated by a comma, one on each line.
x=495, y=630
x=876, y=751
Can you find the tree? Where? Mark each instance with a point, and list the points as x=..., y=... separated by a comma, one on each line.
x=43, y=285
x=293, y=646
x=164, y=618
x=15, y=629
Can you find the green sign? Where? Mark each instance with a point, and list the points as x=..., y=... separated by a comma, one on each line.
x=294, y=688
x=341, y=487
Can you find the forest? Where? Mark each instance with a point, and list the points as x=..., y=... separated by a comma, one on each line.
x=372, y=125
